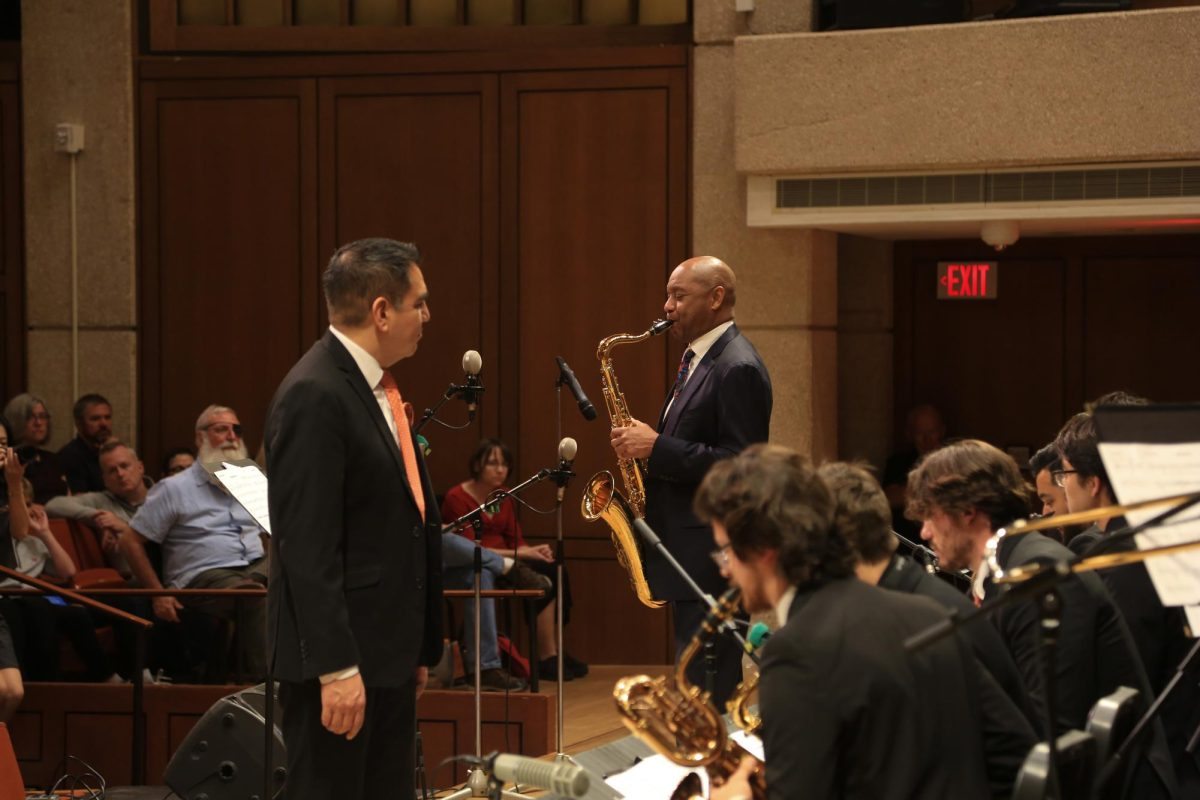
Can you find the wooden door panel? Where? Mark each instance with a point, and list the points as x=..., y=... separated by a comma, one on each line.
x=229, y=225
x=414, y=159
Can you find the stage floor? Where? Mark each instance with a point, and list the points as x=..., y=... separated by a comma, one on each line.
x=589, y=717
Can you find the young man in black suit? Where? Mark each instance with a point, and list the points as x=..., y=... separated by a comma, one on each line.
x=966, y=491
x=719, y=405
x=847, y=711
x=862, y=514
x=355, y=591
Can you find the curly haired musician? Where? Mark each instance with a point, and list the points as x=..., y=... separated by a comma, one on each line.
x=847, y=711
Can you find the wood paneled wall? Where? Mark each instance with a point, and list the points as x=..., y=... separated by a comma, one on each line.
x=1075, y=318
x=549, y=199
x=12, y=299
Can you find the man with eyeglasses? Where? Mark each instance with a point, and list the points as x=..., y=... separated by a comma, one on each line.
x=209, y=541
x=963, y=494
x=1157, y=630
x=847, y=711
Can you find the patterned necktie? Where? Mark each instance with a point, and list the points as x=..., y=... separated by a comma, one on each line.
x=392, y=392
x=685, y=364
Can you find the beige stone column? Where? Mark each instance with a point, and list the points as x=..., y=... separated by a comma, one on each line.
x=787, y=304
x=77, y=66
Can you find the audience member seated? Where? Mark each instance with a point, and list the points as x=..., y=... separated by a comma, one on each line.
x=36, y=620
x=12, y=689
x=925, y=432
x=80, y=457
x=30, y=421
x=108, y=512
x=176, y=460
x=501, y=533
x=209, y=541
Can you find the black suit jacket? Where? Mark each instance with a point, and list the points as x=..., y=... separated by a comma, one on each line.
x=849, y=713
x=724, y=407
x=1095, y=654
x=355, y=573
x=1005, y=713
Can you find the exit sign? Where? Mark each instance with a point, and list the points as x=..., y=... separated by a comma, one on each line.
x=967, y=280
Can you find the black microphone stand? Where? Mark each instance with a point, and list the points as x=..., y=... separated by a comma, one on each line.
x=560, y=557
x=710, y=659
x=479, y=782
x=454, y=390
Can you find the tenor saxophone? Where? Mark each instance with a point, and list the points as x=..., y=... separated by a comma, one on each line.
x=601, y=498
x=678, y=720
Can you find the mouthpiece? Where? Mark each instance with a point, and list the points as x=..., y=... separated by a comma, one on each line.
x=660, y=325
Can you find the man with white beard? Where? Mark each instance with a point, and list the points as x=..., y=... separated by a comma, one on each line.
x=209, y=541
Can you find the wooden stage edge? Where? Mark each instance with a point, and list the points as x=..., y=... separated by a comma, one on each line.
x=94, y=722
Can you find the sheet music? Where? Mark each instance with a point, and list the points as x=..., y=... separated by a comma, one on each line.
x=1143, y=472
x=248, y=485
x=653, y=779
x=1193, y=620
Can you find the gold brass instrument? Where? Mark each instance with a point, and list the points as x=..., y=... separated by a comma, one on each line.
x=601, y=498
x=678, y=720
x=1100, y=561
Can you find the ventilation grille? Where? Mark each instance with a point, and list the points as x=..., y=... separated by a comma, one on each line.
x=1001, y=187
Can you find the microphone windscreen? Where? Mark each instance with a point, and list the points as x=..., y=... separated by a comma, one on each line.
x=472, y=362
x=567, y=449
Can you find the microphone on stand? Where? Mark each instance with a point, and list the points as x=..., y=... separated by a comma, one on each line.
x=565, y=375
x=567, y=450
x=472, y=362
x=564, y=780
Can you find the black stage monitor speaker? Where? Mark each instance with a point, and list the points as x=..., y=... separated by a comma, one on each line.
x=859, y=14
x=222, y=757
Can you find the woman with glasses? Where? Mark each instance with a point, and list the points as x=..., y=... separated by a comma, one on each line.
x=30, y=421
x=490, y=466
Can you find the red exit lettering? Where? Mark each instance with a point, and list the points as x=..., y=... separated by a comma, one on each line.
x=973, y=280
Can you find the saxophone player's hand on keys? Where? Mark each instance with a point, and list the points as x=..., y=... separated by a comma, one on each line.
x=738, y=785
x=636, y=441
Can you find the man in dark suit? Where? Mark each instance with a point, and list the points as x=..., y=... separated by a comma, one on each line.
x=720, y=404
x=355, y=591
x=847, y=711
x=862, y=514
x=1158, y=630
x=966, y=491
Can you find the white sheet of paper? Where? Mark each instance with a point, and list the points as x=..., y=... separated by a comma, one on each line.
x=1193, y=619
x=248, y=485
x=1146, y=471
x=751, y=743
x=653, y=779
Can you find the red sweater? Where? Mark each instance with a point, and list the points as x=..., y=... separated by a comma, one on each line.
x=501, y=530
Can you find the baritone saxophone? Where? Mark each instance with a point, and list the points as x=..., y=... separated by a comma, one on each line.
x=679, y=721
x=601, y=497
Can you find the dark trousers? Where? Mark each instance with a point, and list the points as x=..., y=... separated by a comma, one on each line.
x=376, y=763
x=688, y=616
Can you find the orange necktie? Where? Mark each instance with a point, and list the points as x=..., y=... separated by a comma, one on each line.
x=402, y=433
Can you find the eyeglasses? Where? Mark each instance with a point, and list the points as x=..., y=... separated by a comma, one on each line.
x=721, y=556
x=42, y=416
x=223, y=428
x=1059, y=476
